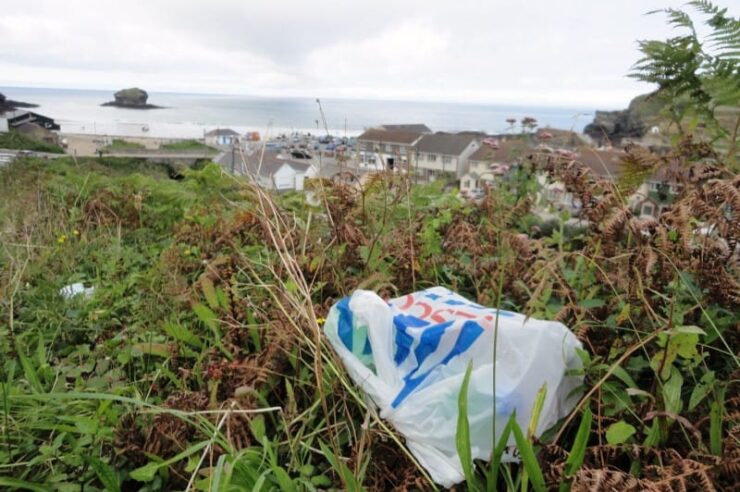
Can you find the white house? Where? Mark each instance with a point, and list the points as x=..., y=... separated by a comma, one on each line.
x=379, y=148
x=222, y=136
x=439, y=154
x=278, y=172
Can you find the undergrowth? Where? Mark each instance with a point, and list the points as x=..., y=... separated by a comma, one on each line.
x=197, y=361
x=18, y=141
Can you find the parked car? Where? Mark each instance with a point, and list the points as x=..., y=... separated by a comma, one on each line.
x=300, y=154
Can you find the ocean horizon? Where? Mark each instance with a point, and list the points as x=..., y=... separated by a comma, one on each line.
x=190, y=115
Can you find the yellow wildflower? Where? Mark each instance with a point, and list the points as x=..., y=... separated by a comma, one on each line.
x=76, y=232
x=62, y=238
x=321, y=321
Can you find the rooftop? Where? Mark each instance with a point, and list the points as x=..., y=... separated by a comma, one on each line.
x=604, y=163
x=269, y=163
x=507, y=151
x=222, y=132
x=408, y=127
x=390, y=136
x=444, y=143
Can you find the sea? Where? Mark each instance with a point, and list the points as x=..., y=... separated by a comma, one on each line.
x=191, y=115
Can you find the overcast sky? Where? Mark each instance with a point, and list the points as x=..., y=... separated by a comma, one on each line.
x=539, y=52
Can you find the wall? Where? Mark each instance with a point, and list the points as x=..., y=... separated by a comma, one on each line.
x=457, y=165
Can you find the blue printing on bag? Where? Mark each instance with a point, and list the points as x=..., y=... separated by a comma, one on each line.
x=469, y=333
x=344, y=326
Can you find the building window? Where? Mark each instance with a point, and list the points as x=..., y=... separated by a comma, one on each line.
x=387, y=147
x=395, y=149
x=647, y=209
x=432, y=157
x=466, y=183
x=446, y=160
x=654, y=186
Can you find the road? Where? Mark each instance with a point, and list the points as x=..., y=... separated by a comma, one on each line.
x=328, y=166
x=7, y=155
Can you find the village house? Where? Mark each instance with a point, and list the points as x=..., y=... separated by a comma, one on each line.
x=36, y=132
x=278, y=172
x=440, y=154
x=491, y=162
x=657, y=193
x=386, y=149
x=603, y=163
x=222, y=136
x=12, y=120
x=650, y=199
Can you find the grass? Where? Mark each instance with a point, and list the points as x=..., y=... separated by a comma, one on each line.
x=16, y=140
x=189, y=146
x=121, y=144
x=199, y=361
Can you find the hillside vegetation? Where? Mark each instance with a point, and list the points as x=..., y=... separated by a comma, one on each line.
x=17, y=141
x=198, y=357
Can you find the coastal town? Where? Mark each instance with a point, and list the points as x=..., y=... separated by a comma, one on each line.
x=469, y=162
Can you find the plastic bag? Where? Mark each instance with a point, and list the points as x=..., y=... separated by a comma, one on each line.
x=72, y=290
x=410, y=356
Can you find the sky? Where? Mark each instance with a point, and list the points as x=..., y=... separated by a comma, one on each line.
x=537, y=52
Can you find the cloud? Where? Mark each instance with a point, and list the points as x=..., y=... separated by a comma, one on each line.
x=399, y=54
x=535, y=52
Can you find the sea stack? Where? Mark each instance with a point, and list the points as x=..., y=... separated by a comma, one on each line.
x=133, y=98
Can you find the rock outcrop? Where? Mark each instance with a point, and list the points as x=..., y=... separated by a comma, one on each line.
x=8, y=105
x=133, y=98
x=633, y=122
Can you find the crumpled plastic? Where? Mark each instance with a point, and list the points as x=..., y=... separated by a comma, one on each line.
x=410, y=356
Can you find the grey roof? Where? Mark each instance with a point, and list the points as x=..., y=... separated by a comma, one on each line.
x=506, y=152
x=222, y=132
x=444, y=143
x=408, y=127
x=389, y=136
x=269, y=163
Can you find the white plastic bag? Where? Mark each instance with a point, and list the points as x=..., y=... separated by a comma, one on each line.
x=410, y=355
x=72, y=290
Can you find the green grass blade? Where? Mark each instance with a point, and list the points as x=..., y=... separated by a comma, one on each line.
x=715, y=428
x=529, y=459
x=342, y=469
x=29, y=370
x=578, y=451
x=16, y=484
x=462, y=436
x=498, y=453
x=283, y=479
x=534, y=419
x=105, y=473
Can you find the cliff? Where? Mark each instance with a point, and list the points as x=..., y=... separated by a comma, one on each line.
x=633, y=122
x=9, y=105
